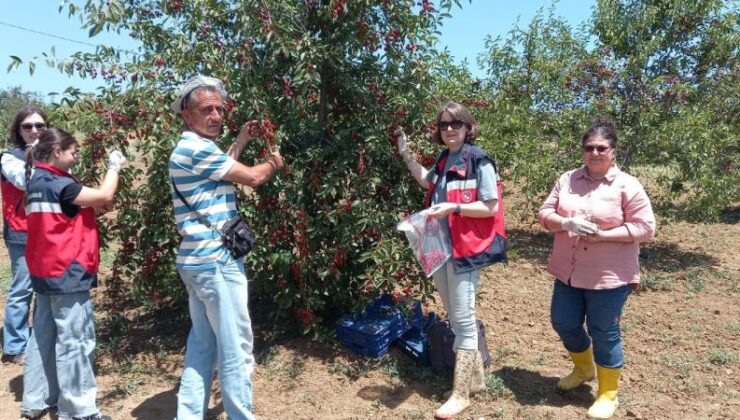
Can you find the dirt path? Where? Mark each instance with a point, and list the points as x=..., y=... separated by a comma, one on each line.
x=682, y=341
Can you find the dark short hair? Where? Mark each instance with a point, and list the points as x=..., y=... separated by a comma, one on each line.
x=15, y=127
x=601, y=126
x=186, y=99
x=460, y=113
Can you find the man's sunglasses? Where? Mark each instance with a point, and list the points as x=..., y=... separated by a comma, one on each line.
x=456, y=125
x=600, y=148
x=29, y=127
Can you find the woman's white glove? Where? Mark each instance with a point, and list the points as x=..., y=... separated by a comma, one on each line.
x=579, y=226
x=403, y=148
x=116, y=161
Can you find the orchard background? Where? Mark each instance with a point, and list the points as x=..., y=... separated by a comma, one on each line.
x=331, y=79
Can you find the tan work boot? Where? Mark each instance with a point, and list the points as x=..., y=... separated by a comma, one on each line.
x=584, y=370
x=460, y=398
x=477, y=381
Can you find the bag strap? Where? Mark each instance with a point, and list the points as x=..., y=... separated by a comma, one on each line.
x=200, y=217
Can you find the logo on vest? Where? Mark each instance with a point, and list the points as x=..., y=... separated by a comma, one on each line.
x=467, y=196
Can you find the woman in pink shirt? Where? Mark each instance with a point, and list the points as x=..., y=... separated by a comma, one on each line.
x=599, y=215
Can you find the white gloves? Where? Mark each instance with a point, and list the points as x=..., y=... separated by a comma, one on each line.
x=401, y=142
x=116, y=161
x=579, y=226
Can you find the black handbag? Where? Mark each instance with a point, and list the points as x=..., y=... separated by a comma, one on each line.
x=441, y=340
x=236, y=235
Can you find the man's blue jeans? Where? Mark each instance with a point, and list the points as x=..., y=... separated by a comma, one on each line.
x=58, y=368
x=221, y=334
x=601, y=310
x=18, y=305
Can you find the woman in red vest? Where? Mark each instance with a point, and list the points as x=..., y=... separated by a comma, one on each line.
x=63, y=257
x=24, y=130
x=464, y=194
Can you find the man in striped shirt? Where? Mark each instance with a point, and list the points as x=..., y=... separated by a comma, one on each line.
x=216, y=282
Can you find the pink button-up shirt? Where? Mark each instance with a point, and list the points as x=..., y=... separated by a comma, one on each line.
x=613, y=200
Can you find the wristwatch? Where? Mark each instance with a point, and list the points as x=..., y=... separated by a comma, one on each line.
x=457, y=208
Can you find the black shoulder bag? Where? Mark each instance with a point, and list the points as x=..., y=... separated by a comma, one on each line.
x=235, y=234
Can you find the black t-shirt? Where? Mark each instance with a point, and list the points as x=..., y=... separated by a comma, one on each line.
x=68, y=195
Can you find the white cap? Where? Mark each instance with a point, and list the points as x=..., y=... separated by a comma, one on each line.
x=194, y=83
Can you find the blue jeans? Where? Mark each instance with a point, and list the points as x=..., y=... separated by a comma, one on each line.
x=221, y=334
x=18, y=305
x=601, y=310
x=458, y=296
x=58, y=368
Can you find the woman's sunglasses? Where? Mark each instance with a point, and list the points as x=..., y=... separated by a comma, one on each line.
x=600, y=148
x=29, y=127
x=456, y=125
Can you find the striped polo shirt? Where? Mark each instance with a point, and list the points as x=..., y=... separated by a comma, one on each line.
x=197, y=167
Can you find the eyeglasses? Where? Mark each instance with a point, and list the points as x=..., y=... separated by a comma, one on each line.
x=30, y=126
x=589, y=148
x=456, y=125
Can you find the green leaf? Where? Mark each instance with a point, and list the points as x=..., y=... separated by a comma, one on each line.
x=15, y=62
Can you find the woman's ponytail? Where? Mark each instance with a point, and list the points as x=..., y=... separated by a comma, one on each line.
x=30, y=161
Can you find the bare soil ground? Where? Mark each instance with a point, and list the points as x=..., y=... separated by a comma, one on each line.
x=682, y=341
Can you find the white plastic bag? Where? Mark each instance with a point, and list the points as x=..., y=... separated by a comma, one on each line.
x=429, y=241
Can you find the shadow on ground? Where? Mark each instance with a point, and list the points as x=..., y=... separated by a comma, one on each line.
x=530, y=244
x=15, y=386
x=535, y=245
x=531, y=388
x=669, y=258
x=389, y=396
x=410, y=378
x=159, y=406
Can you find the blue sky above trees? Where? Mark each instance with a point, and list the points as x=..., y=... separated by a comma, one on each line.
x=463, y=35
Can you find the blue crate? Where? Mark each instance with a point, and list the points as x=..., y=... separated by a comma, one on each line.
x=372, y=333
x=415, y=342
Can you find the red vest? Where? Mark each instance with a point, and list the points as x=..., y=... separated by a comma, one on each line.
x=476, y=242
x=61, y=252
x=14, y=212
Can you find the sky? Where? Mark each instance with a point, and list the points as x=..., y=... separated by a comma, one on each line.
x=463, y=35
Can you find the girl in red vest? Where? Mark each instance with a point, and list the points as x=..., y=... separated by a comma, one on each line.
x=24, y=130
x=63, y=256
x=464, y=194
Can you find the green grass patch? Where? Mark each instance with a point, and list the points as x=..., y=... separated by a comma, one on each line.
x=126, y=387
x=720, y=357
x=129, y=366
x=393, y=367
x=682, y=364
x=502, y=353
x=657, y=282
x=696, y=330
x=352, y=371
x=695, y=280
x=495, y=386
x=730, y=279
x=6, y=278
x=273, y=367
x=734, y=329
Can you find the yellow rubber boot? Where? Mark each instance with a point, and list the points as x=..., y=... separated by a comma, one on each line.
x=583, y=370
x=606, y=400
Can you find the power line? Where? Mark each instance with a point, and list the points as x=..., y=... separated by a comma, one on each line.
x=47, y=34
